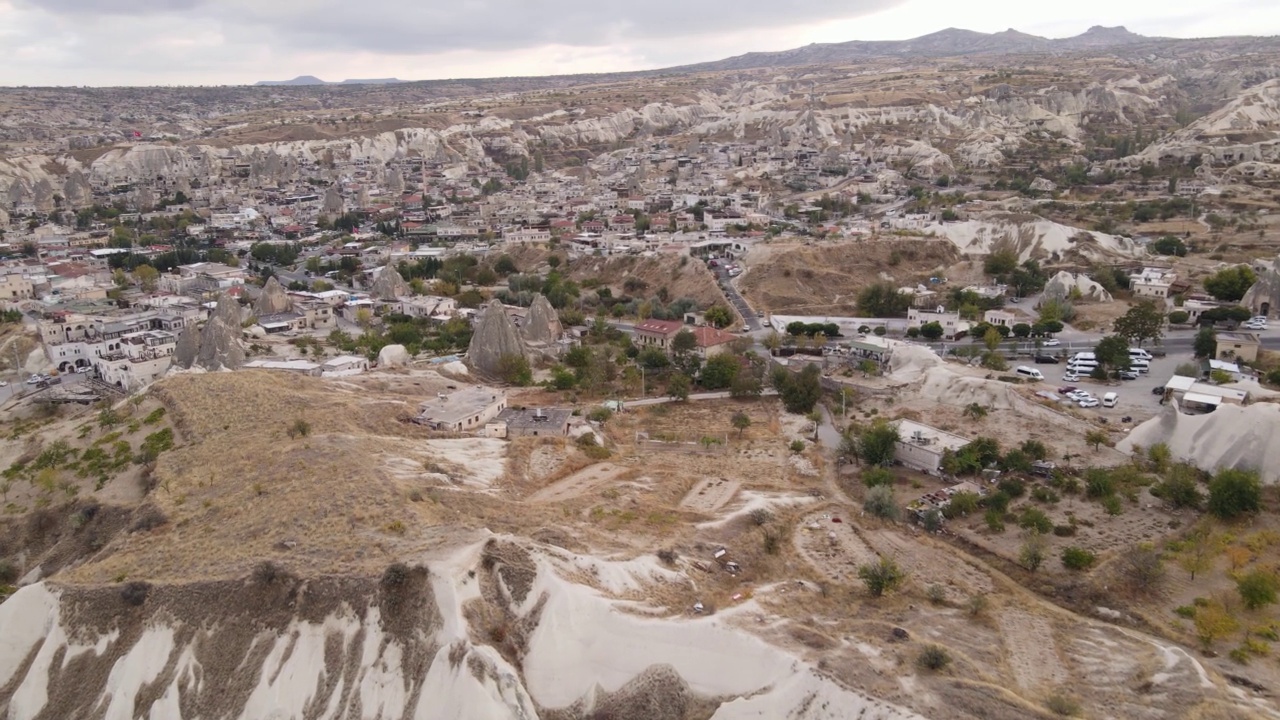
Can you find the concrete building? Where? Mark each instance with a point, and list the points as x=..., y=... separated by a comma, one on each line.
x=1003, y=318
x=463, y=410
x=1238, y=346
x=15, y=287
x=920, y=447
x=532, y=422
x=1152, y=282
x=950, y=321
x=344, y=365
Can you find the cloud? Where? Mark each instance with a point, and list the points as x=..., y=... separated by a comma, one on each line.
x=417, y=27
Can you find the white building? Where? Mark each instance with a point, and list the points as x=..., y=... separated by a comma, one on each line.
x=920, y=447
x=950, y=321
x=1152, y=282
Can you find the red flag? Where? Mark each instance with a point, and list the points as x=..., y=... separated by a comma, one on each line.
x=137, y=134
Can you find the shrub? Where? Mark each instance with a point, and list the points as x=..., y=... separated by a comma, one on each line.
x=299, y=428
x=881, y=577
x=395, y=576
x=668, y=557
x=1062, y=705
x=977, y=605
x=154, y=416
x=880, y=503
x=1112, y=505
x=1044, y=495
x=936, y=594
x=1257, y=588
x=1075, y=558
x=995, y=520
x=1234, y=492
x=135, y=593
x=1064, y=530
x=1013, y=487
x=268, y=573
x=876, y=476
x=1034, y=519
x=600, y=415
x=1031, y=556
x=797, y=446
x=761, y=516
x=933, y=658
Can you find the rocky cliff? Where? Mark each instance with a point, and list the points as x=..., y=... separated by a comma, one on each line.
x=217, y=345
x=542, y=324
x=272, y=300
x=389, y=285
x=495, y=337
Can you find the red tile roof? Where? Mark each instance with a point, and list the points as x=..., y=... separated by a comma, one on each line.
x=660, y=327
x=708, y=336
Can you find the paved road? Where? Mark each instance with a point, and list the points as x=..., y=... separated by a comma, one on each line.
x=18, y=387
x=739, y=303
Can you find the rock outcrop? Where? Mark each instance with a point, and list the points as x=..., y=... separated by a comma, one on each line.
x=495, y=337
x=1062, y=285
x=389, y=285
x=542, y=325
x=393, y=356
x=272, y=300
x=1264, y=296
x=217, y=345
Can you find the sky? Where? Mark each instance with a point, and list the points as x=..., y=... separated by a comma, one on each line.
x=228, y=42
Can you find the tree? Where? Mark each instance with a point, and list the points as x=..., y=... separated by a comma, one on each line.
x=1230, y=284
x=975, y=411
x=881, y=300
x=678, y=387
x=1021, y=330
x=931, y=330
x=1179, y=317
x=1075, y=558
x=1213, y=621
x=880, y=503
x=876, y=476
x=684, y=342
x=1143, y=566
x=718, y=315
x=799, y=392
x=881, y=577
x=1233, y=493
x=1179, y=487
x=1197, y=553
x=991, y=338
x=1031, y=556
x=740, y=422
x=877, y=443
x=1170, y=245
x=1257, y=588
x=720, y=371
x=652, y=358
x=147, y=277
x=514, y=369
x=1000, y=262
x=1142, y=322
x=1113, y=353
x=1206, y=343
x=1096, y=438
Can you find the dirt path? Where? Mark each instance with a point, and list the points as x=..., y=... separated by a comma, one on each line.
x=710, y=494
x=833, y=548
x=578, y=483
x=1032, y=651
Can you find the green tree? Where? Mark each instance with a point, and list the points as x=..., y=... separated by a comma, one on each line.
x=1233, y=493
x=720, y=371
x=1170, y=245
x=882, y=300
x=514, y=369
x=1230, y=284
x=684, y=342
x=881, y=577
x=1179, y=317
x=1000, y=262
x=1144, y=321
x=1113, y=353
x=1257, y=588
x=1031, y=555
x=1021, y=330
x=877, y=443
x=931, y=330
x=1205, y=343
x=678, y=387
x=719, y=315
x=801, y=391
x=881, y=503
x=1096, y=438
x=147, y=277
x=1076, y=558
x=741, y=421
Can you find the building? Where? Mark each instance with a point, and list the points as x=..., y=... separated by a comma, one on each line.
x=462, y=410
x=1238, y=346
x=657, y=333
x=711, y=341
x=300, y=367
x=921, y=447
x=344, y=365
x=950, y=321
x=539, y=422
x=15, y=287
x=1152, y=282
x=1003, y=318
x=1191, y=394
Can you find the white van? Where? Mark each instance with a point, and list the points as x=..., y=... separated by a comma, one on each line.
x=1084, y=356
x=1137, y=353
x=1082, y=366
x=1110, y=399
x=1029, y=372
x=1140, y=365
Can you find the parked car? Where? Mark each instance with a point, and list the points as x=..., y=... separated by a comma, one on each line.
x=1046, y=360
x=1067, y=389
x=1089, y=403
x=1051, y=342
x=33, y=379
x=1129, y=375
x=1158, y=390
x=1071, y=377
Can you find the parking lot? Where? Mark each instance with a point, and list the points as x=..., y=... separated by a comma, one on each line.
x=1136, y=398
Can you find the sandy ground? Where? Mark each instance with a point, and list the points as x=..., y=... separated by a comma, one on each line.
x=709, y=495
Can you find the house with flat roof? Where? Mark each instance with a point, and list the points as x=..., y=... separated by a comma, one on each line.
x=1152, y=282
x=920, y=447
x=462, y=410
x=1238, y=346
x=530, y=422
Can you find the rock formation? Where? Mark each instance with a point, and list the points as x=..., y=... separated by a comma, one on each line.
x=1264, y=292
x=217, y=345
x=393, y=356
x=543, y=322
x=1061, y=285
x=389, y=285
x=495, y=337
x=272, y=300
x=333, y=203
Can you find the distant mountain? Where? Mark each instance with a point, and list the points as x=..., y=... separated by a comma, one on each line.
x=300, y=80
x=944, y=43
x=313, y=80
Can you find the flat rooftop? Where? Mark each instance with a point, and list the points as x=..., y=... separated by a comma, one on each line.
x=535, y=417
x=915, y=433
x=457, y=405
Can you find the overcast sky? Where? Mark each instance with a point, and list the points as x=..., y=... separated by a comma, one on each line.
x=214, y=42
